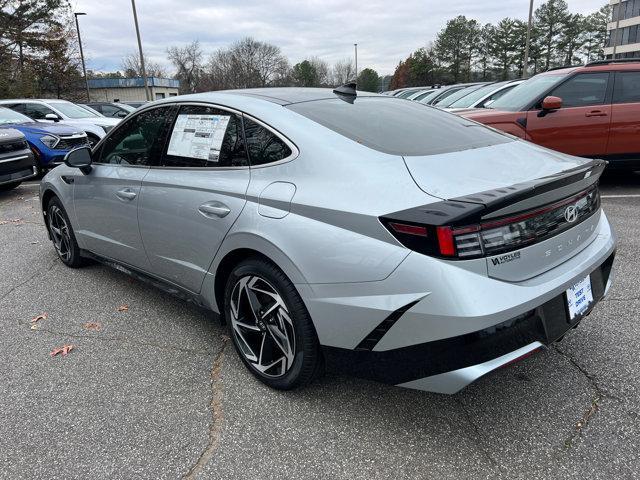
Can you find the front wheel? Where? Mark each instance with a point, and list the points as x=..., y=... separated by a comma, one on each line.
x=270, y=326
x=62, y=236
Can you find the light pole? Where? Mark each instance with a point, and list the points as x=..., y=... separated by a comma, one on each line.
x=144, y=72
x=525, y=66
x=356, y=48
x=84, y=70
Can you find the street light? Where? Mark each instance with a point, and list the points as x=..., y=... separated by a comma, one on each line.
x=144, y=72
x=525, y=67
x=84, y=70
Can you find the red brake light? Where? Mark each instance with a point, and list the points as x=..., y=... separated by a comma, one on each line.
x=409, y=229
x=445, y=241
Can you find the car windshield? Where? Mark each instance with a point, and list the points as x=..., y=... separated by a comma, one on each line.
x=525, y=93
x=458, y=95
x=71, y=110
x=10, y=116
x=422, y=95
x=397, y=127
x=476, y=95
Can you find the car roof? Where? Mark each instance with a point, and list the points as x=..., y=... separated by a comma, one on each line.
x=598, y=66
x=34, y=100
x=289, y=95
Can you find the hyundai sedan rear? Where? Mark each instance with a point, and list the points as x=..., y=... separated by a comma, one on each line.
x=343, y=230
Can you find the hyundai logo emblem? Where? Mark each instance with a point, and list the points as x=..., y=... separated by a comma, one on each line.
x=571, y=214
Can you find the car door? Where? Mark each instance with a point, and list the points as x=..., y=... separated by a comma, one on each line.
x=581, y=126
x=189, y=203
x=106, y=199
x=624, y=140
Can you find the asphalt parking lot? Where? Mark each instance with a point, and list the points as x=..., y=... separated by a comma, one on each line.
x=155, y=390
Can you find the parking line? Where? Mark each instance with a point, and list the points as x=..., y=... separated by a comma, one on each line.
x=631, y=195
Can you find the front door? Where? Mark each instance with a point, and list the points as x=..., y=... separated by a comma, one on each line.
x=107, y=198
x=581, y=126
x=190, y=202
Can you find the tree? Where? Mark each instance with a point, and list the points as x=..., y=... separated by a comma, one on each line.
x=322, y=71
x=596, y=33
x=188, y=64
x=550, y=17
x=455, y=46
x=503, y=46
x=484, y=51
x=369, y=80
x=305, y=74
x=572, y=38
x=248, y=63
x=343, y=72
x=133, y=68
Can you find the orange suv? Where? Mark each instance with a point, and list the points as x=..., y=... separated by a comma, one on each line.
x=590, y=111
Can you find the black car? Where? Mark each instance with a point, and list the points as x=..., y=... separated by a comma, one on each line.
x=111, y=109
x=17, y=162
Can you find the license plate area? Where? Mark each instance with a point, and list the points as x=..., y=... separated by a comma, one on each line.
x=579, y=298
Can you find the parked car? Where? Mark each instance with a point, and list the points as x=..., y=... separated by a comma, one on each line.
x=484, y=96
x=420, y=94
x=591, y=111
x=112, y=109
x=95, y=125
x=16, y=160
x=49, y=143
x=341, y=228
x=463, y=92
x=435, y=97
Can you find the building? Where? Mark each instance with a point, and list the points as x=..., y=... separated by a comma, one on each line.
x=131, y=89
x=624, y=30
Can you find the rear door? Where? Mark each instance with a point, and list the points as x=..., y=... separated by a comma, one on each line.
x=624, y=140
x=581, y=126
x=106, y=199
x=189, y=203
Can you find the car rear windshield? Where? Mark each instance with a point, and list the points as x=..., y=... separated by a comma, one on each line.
x=398, y=127
x=476, y=95
x=74, y=111
x=521, y=97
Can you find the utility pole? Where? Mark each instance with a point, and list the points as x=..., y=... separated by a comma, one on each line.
x=525, y=66
x=144, y=72
x=84, y=70
x=356, y=48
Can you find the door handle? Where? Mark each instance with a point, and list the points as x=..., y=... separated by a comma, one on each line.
x=214, y=209
x=126, y=194
x=596, y=113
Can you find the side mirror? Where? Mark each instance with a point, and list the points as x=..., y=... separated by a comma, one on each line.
x=79, y=158
x=121, y=114
x=52, y=116
x=551, y=103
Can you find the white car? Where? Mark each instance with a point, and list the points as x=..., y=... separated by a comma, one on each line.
x=483, y=97
x=95, y=125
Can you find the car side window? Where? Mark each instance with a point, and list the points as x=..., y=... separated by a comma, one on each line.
x=37, y=111
x=263, y=145
x=206, y=137
x=140, y=140
x=627, y=88
x=583, y=89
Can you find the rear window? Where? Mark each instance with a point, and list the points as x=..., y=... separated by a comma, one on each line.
x=398, y=127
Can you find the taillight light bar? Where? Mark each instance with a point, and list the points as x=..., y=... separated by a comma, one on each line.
x=495, y=236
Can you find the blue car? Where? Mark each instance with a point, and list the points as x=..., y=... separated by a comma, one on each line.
x=48, y=142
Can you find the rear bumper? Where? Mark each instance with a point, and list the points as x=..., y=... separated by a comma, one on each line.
x=438, y=325
x=450, y=364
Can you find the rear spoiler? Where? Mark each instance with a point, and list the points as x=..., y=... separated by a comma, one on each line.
x=508, y=200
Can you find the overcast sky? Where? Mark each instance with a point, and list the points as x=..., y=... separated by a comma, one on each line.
x=386, y=32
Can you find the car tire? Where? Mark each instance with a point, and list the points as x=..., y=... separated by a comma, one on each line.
x=62, y=235
x=284, y=330
x=9, y=186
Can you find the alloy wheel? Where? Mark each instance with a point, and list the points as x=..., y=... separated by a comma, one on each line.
x=60, y=233
x=262, y=326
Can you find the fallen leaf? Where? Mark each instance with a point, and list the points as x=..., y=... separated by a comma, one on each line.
x=11, y=220
x=64, y=350
x=42, y=316
x=123, y=308
x=95, y=326
x=34, y=327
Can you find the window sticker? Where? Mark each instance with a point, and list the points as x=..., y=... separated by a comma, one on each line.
x=198, y=136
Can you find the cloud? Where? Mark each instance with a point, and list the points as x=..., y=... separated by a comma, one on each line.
x=386, y=32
